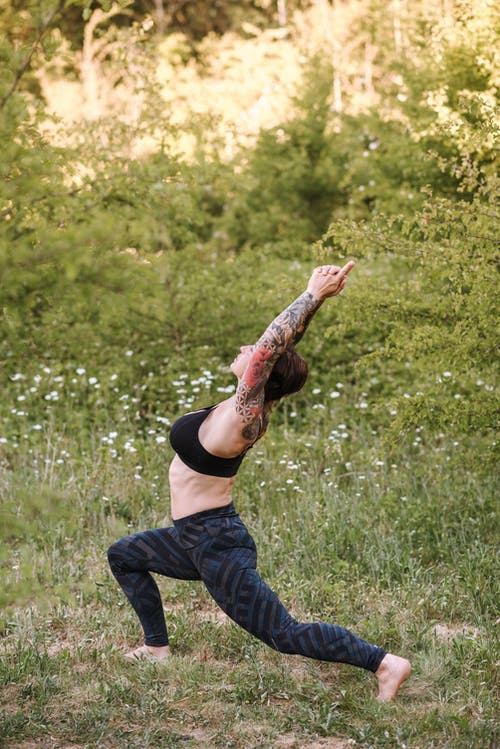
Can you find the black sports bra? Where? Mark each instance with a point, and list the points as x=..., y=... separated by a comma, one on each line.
x=186, y=443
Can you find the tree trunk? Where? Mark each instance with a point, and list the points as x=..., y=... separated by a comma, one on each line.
x=160, y=16
x=282, y=17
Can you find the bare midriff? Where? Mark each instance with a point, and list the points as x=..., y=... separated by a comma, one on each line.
x=192, y=492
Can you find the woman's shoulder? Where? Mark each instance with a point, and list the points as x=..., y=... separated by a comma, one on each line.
x=226, y=426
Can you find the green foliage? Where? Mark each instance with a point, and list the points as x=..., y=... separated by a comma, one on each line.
x=441, y=319
x=103, y=251
x=292, y=182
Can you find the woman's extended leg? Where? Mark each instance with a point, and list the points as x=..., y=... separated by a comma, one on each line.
x=231, y=578
x=250, y=602
x=226, y=557
x=133, y=558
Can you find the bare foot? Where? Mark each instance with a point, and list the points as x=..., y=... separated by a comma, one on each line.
x=391, y=674
x=149, y=653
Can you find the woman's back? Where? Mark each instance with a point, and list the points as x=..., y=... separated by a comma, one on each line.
x=209, y=448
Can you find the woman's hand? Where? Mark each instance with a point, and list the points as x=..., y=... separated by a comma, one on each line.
x=328, y=280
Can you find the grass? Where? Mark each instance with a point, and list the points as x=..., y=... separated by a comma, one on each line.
x=401, y=550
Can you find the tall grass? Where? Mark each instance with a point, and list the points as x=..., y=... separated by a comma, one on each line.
x=398, y=547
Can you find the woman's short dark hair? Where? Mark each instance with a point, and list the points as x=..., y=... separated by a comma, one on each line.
x=288, y=375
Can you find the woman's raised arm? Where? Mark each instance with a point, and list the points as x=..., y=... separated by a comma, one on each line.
x=286, y=329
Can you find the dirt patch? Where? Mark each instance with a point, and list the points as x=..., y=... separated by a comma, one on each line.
x=201, y=739
x=215, y=615
x=47, y=742
x=59, y=647
x=8, y=645
x=289, y=741
x=9, y=697
x=447, y=633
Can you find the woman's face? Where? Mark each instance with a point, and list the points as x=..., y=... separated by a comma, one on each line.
x=241, y=362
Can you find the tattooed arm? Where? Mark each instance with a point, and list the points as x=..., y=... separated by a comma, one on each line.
x=286, y=329
x=302, y=328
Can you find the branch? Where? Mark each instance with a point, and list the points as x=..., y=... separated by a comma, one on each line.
x=71, y=193
x=21, y=71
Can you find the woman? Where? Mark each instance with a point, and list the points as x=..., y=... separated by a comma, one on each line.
x=208, y=541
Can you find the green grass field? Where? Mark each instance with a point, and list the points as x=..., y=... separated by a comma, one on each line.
x=399, y=548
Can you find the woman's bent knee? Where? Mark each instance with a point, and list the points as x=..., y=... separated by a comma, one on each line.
x=116, y=555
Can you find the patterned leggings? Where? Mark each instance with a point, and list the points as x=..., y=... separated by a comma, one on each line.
x=214, y=546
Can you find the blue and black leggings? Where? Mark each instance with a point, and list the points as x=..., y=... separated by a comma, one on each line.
x=214, y=546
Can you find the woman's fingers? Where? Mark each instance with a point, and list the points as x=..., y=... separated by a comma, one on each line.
x=333, y=270
x=334, y=277
x=347, y=268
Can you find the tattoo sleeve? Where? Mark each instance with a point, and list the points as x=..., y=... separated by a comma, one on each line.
x=302, y=328
x=286, y=329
